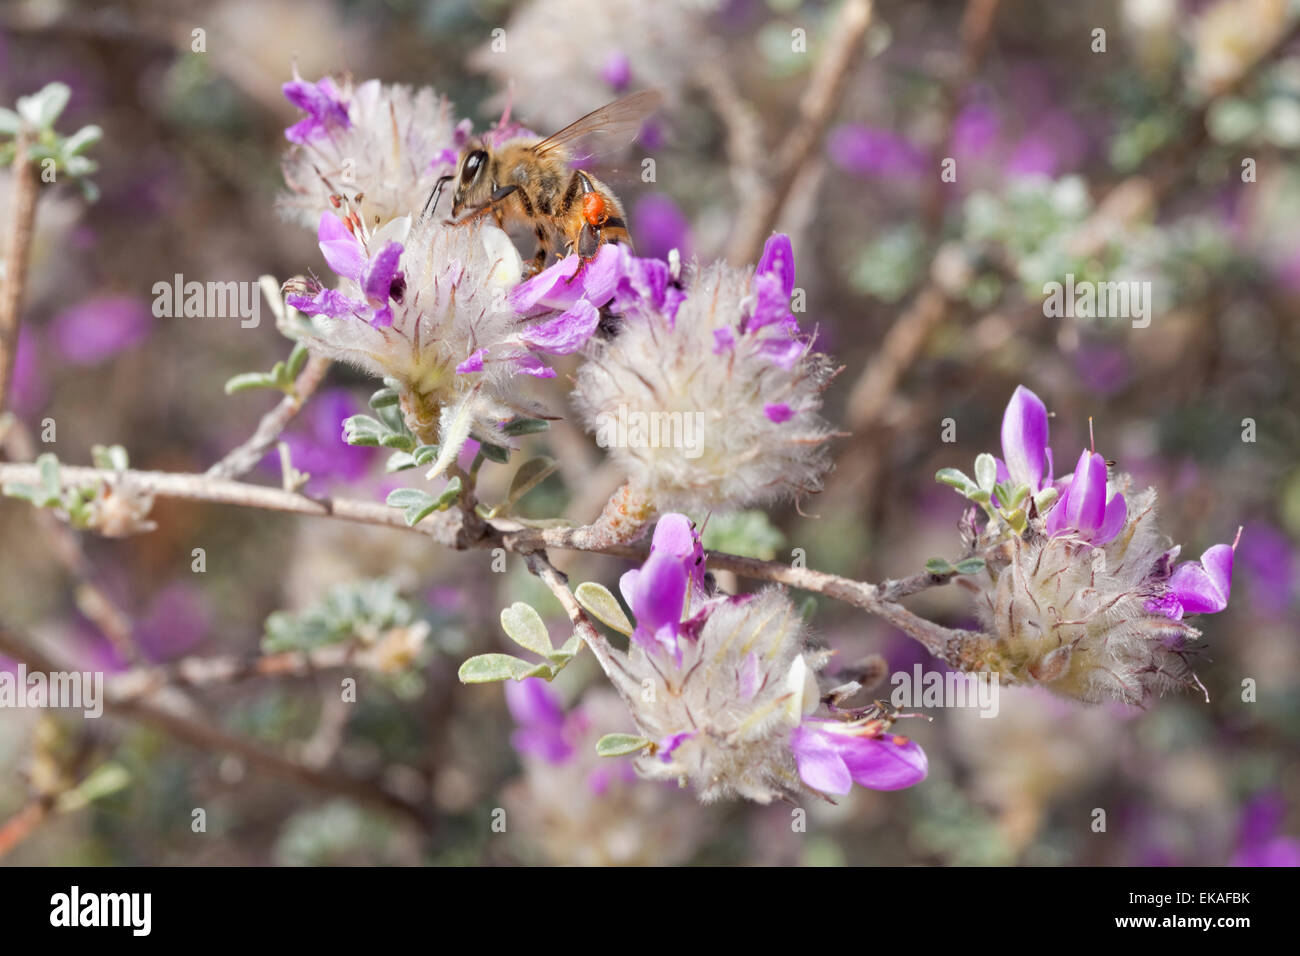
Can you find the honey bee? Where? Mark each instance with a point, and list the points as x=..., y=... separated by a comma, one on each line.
x=527, y=181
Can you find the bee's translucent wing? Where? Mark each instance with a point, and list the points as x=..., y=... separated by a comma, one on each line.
x=603, y=130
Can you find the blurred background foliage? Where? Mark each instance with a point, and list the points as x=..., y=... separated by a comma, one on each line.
x=1123, y=164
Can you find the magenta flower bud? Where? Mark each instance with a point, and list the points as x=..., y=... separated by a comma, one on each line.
x=1083, y=508
x=1024, y=441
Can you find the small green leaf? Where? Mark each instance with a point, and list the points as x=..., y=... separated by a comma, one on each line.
x=41, y=109
x=416, y=505
x=425, y=454
x=105, y=780
x=524, y=626
x=486, y=668
x=449, y=495
x=10, y=122
x=82, y=140
x=249, y=380
x=970, y=566
x=530, y=474
x=399, y=461
x=494, y=452
x=986, y=471
x=1045, y=499
x=597, y=601
x=938, y=566
x=955, y=478
x=979, y=496
x=113, y=457
x=566, y=653
x=363, y=430
x=524, y=426
x=384, y=398
x=297, y=359
x=620, y=745
x=399, y=441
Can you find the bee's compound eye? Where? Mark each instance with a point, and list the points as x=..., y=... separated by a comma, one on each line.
x=473, y=163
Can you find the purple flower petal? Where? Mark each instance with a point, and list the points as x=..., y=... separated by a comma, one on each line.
x=1204, y=587
x=1024, y=438
x=342, y=251
x=886, y=762
x=381, y=273
x=472, y=364
x=779, y=412
x=820, y=764
x=566, y=333
x=778, y=260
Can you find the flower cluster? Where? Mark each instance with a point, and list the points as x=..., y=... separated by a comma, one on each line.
x=1081, y=594
x=728, y=694
x=385, y=145
x=416, y=300
x=707, y=395
x=580, y=809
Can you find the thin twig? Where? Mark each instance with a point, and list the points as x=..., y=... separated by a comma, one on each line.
x=17, y=253
x=241, y=460
x=205, y=735
x=817, y=106
x=450, y=529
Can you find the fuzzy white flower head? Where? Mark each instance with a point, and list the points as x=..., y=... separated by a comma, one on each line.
x=707, y=395
x=427, y=306
x=384, y=146
x=723, y=688
x=1080, y=593
x=557, y=72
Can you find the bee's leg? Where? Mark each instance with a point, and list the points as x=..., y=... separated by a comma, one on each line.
x=543, y=250
x=432, y=204
x=491, y=205
x=589, y=243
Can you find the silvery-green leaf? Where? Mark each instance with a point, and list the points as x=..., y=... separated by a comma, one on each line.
x=938, y=566
x=486, y=668
x=492, y=452
x=524, y=426
x=620, y=745
x=970, y=566
x=425, y=454
x=105, y=780
x=986, y=471
x=113, y=457
x=402, y=442
x=48, y=466
x=363, y=430
x=297, y=359
x=567, y=652
x=383, y=398
x=530, y=474
x=1045, y=499
x=955, y=478
x=525, y=627
x=416, y=505
x=41, y=109
x=10, y=122
x=399, y=461
x=597, y=601
x=82, y=140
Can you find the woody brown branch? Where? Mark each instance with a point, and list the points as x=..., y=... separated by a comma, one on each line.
x=451, y=529
x=17, y=254
x=205, y=735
